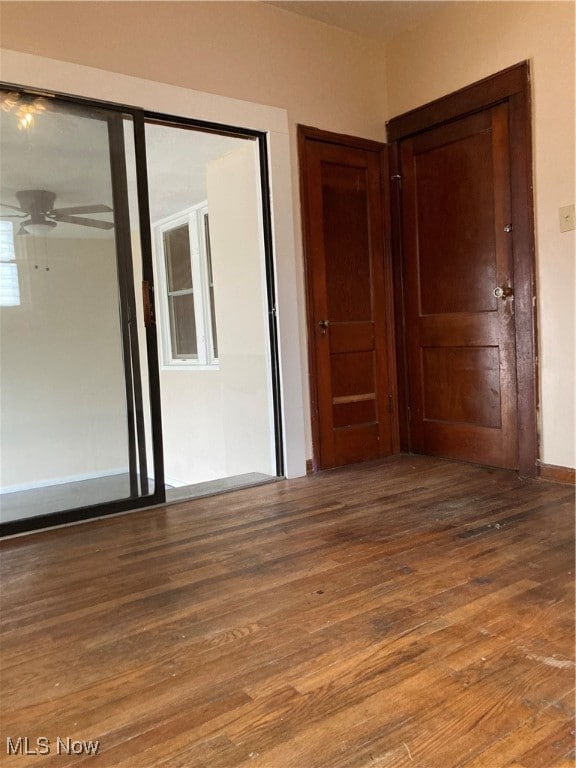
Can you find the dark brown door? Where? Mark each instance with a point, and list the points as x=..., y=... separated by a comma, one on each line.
x=459, y=290
x=349, y=304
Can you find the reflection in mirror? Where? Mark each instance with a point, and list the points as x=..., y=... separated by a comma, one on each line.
x=211, y=309
x=69, y=436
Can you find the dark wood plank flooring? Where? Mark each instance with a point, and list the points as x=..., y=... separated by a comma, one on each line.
x=413, y=613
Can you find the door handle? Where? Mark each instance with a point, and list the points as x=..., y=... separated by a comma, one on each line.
x=503, y=292
x=324, y=325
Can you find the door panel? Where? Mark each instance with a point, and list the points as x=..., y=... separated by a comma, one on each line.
x=458, y=250
x=460, y=399
x=348, y=329
x=456, y=219
x=346, y=241
x=218, y=394
x=76, y=423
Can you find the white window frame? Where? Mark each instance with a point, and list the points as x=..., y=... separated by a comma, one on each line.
x=206, y=359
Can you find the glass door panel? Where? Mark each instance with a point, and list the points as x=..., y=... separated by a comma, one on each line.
x=211, y=308
x=74, y=418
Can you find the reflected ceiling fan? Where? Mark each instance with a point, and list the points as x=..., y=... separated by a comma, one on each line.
x=37, y=208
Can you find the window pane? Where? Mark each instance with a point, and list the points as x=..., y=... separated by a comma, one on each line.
x=9, y=287
x=178, y=265
x=6, y=241
x=210, y=285
x=183, y=326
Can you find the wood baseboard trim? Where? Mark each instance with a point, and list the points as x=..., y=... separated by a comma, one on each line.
x=309, y=467
x=557, y=474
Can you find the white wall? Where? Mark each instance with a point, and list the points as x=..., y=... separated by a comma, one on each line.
x=63, y=413
x=192, y=426
x=241, y=312
x=218, y=423
x=464, y=43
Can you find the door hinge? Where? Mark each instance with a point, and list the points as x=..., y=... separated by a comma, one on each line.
x=390, y=404
x=409, y=415
x=396, y=177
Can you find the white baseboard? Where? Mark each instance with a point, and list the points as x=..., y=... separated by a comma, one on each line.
x=174, y=483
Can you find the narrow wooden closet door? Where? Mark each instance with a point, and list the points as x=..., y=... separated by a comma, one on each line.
x=348, y=298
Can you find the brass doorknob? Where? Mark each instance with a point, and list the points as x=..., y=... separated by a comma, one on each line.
x=503, y=292
x=324, y=325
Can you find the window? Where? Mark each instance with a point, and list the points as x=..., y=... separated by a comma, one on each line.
x=9, y=283
x=186, y=289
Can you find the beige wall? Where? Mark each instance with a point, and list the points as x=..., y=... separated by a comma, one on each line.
x=469, y=41
x=250, y=51
x=321, y=75
x=63, y=413
x=338, y=81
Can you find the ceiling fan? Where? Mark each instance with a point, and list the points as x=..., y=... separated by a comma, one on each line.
x=37, y=208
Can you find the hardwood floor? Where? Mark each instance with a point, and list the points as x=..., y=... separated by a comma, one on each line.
x=413, y=613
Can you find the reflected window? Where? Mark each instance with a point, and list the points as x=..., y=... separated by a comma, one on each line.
x=187, y=305
x=9, y=282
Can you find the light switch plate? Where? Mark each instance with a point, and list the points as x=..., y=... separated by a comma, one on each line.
x=566, y=215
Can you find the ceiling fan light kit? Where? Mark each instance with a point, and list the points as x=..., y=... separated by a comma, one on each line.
x=38, y=228
x=37, y=208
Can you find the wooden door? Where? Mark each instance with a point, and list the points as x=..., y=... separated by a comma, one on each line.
x=349, y=298
x=459, y=289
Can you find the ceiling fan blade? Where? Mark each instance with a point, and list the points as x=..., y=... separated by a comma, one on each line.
x=84, y=222
x=23, y=230
x=13, y=207
x=99, y=208
x=13, y=215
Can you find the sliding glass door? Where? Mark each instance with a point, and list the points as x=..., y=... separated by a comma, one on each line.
x=75, y=420
x=212, y=308
x=137, y=310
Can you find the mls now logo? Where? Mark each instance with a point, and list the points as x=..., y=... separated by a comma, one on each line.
x=23, y=745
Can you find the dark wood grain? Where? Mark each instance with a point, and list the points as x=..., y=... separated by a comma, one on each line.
x=399, y=288
x=406, y=612
x=557, y=474
x=522, y=200
x=350, y=298
x=512, y=88
x=467, y=100
x=460, y=337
